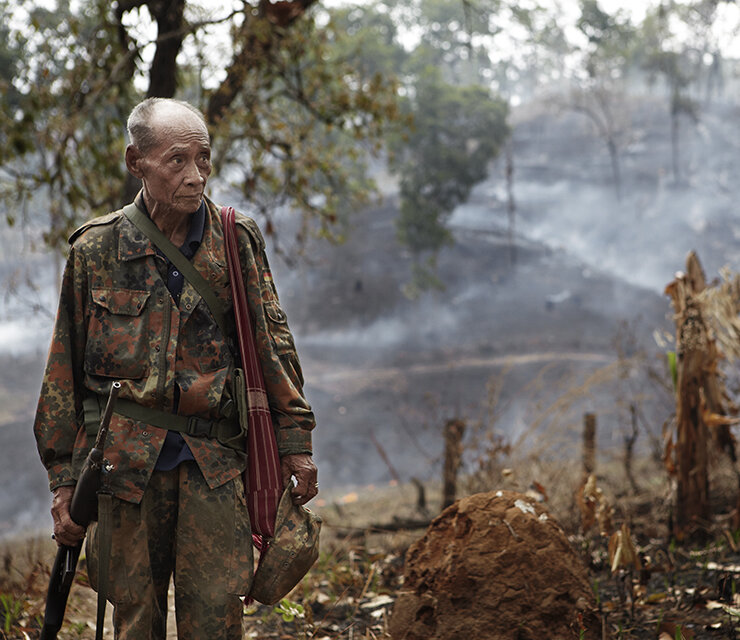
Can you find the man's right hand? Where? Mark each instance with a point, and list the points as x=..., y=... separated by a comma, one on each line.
x=66, y=530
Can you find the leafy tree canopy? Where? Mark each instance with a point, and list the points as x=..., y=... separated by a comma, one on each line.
x=457, y=132
x=611, y=38
x=457, y=126
x=287, y=111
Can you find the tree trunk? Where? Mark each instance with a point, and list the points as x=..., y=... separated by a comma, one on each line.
x=589, y=444
x=510, y=202
x=255, y=47
x=696, y=362
x=453, y=435
x=629, y=448
x=616, y=173
x=675, y=132
x=692, y=503
x=169, y=15
x=715, y=78
x=170, y=18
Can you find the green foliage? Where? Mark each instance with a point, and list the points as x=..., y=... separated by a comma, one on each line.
x=289, y=610
x=452, y=127
x=604, y=29
x=611, y=40
x=368, y=36
x=452, y=34
x=293, y=121
x=673, y=42
x=457, y=132
x=297, y=106
x=11, y=611
x=60, y=121
x=673, y=368
x=302, y=122
x=423, y=277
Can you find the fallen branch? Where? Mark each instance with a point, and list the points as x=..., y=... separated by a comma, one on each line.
x=398, y=524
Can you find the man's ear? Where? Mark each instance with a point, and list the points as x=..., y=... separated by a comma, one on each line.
x=133, y=161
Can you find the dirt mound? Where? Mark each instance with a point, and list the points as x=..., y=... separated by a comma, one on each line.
x=494, y=565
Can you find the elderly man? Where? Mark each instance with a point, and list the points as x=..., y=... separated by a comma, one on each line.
x=126, y=313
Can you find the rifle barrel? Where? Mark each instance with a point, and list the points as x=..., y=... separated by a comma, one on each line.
x=107, y=415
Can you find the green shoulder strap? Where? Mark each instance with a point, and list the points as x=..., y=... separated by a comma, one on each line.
x=105, y=533
x=150, y=230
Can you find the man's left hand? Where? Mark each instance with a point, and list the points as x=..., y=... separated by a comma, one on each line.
x=301, y=467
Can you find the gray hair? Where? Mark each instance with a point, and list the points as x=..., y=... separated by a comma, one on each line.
x=140, y=131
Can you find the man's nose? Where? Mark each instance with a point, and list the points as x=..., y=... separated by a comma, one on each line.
x=193, y=175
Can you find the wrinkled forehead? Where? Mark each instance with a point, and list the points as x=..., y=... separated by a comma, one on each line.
x=173, y=123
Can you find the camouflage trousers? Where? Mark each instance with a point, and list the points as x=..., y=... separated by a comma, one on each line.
x=185, y=530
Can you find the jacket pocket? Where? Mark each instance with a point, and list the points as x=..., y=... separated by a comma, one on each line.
x=277, y=324
x=201, y=346
x=117, y=334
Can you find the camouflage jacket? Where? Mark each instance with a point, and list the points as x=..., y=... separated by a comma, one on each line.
x=117, y=321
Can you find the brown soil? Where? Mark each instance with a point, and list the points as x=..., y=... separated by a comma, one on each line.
x=494, y=565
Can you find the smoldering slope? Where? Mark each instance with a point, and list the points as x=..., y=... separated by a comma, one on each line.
x=384, y=372
x=644, y=237
x=27, y=285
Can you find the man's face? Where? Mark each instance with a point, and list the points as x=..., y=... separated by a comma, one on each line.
x=174, y=173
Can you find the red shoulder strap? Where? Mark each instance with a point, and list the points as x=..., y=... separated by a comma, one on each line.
x=263, y=481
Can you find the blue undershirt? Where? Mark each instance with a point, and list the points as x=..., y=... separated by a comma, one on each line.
x=175, y=450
